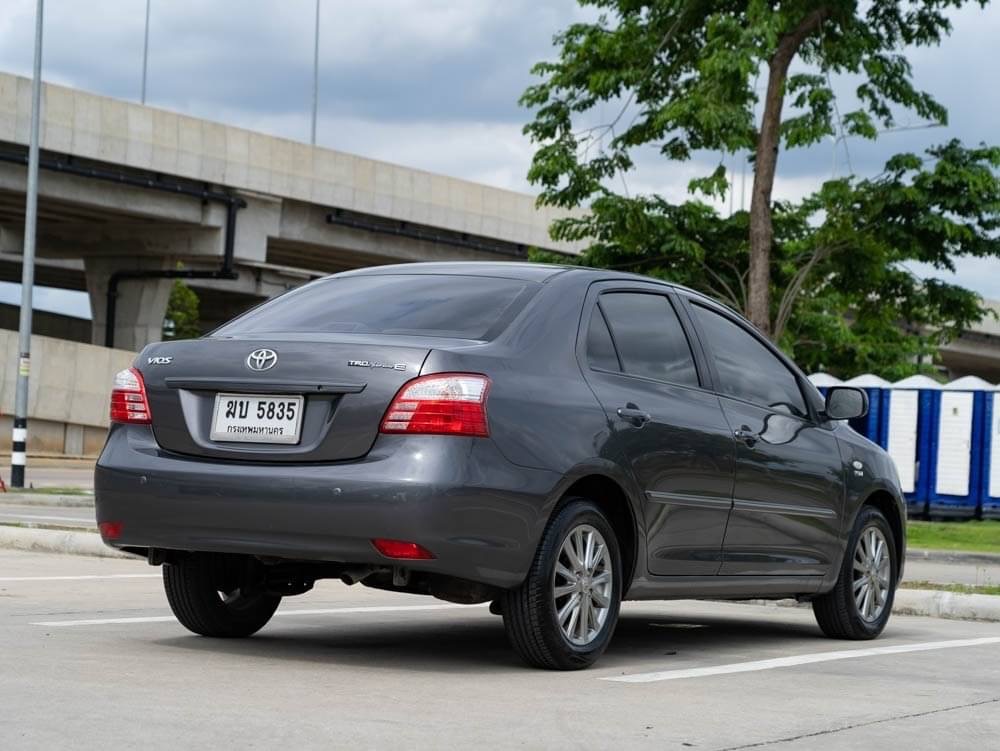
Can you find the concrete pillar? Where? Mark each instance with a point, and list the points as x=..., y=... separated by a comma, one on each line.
x=140, y=305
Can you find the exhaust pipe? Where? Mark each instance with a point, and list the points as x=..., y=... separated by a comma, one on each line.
x=353, y=576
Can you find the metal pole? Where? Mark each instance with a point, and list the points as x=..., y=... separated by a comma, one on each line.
x=20, y=433
x=315, y=77
x=145, y=54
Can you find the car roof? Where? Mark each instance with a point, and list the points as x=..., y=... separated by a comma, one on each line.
x=535, y=272
x=525, y=270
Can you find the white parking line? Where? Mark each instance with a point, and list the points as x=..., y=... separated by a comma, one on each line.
x=807, y=659
x=285, y=614
x=86, y=577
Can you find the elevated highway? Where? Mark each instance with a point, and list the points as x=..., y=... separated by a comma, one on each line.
x=131, y=195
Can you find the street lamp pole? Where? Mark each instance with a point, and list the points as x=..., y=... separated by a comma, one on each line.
x=315, y=110
x=20, y=433
x=145, y=53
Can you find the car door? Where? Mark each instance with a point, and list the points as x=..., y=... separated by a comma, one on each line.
x=788, y=493
x=667, y=426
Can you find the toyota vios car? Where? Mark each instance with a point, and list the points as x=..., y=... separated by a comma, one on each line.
x=550, y=440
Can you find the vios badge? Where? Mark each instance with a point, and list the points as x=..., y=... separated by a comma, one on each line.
x=262, y=359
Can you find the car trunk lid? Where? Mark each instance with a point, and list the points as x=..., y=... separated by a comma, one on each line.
x=345, y=384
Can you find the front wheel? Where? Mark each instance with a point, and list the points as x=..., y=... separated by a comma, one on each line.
x=564, y=613
x=859, y=605
x=214, y=594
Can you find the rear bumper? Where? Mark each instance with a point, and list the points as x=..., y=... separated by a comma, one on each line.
x=460, y=498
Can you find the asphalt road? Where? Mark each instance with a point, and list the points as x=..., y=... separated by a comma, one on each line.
x=92, y=659
x=41, y=474
x=81, y=517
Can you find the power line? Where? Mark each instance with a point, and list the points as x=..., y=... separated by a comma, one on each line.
x=840, y=126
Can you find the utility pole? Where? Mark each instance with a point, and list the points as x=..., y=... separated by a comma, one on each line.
x=20, y=434
x=315, y=111
x=145, y=53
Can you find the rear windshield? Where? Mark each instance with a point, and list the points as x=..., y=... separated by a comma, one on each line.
x=463, y=307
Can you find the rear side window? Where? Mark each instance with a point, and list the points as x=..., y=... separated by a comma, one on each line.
x=747, y=369
x=600, y=349
x=649, y=337
x=463, y=307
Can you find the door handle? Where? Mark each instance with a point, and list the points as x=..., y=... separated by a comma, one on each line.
x=633, y=415
x=743, y=433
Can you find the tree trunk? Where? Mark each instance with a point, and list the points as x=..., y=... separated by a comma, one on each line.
x=765, y=163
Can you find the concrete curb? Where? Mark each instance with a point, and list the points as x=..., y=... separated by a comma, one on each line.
x=46, y=499
x=57, y=541
x=954, y=605
x=925, y=602
x=951, y=556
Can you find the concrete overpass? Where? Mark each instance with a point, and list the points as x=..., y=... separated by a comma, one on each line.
x=130, y=194
x=977, y=350
x=133, y=195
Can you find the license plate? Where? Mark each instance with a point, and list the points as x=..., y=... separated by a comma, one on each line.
x=257, y=418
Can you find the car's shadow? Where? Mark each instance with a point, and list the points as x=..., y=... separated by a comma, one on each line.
x=477, y=643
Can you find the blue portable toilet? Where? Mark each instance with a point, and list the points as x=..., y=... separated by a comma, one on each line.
x=990, y=474
x=823, y=381
x=959, y=411
x=871, y=424
x=905, y=433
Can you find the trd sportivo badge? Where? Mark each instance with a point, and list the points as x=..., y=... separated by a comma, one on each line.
x=376, y=364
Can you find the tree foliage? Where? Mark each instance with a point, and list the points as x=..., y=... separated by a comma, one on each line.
x=844, y=298
x=182, y=318
x=681, y=76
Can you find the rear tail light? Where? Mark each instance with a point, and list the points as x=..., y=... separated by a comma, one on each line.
x=128, y=398
x=443, y=404
x=402, y=549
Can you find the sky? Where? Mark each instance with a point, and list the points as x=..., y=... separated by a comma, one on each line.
x=434, y=84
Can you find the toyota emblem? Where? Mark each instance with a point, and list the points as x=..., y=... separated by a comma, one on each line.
x=262, y=359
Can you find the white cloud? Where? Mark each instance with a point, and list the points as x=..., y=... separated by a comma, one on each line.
x=432, y=83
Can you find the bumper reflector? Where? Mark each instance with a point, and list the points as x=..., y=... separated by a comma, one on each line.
x=110, y=530
x=400, y=549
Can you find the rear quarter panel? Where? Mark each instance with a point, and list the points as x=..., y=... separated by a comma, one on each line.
x=542, y=414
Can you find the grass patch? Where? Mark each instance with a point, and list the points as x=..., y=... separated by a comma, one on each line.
x=965, y=589
x=53, y=491
x=970, y=536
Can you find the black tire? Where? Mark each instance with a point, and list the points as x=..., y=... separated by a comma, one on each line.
x=211, y=594
x=837, y=612
x=529, y=611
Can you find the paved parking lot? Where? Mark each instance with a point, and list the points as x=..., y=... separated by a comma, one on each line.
x=93, y=659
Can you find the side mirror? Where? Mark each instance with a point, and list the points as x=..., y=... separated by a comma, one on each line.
x=845, y=403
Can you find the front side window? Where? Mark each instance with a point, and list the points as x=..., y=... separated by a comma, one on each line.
x=650, y=340
x=747, y=369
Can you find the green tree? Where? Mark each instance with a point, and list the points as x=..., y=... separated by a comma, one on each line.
x=181, y=320
x=681, y=76
x=844, y=299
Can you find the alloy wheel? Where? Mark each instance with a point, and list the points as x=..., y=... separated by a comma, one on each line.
x=872, y=571
x=582, y=585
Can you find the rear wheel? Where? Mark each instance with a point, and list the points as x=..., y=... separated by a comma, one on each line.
x=214, y=594
x=564, y=613
x=859, y=605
